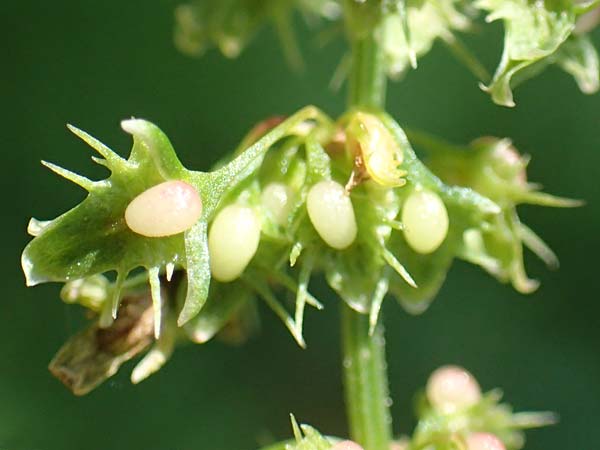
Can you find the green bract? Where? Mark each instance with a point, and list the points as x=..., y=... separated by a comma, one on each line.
x=578, y=57
x=534, y=31
x=411, y=30
x=93, y=238
x=494, y=168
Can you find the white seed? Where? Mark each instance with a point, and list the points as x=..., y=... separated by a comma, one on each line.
x=164, y=210
x=232, y=241
x=484, y=441
x=346, y=445
x=276, y=198
x=452, y=388
x=331, y=213
x=425, y=221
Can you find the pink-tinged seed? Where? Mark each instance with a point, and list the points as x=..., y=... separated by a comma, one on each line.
x=164, y=210
x=346, y=445
x=484, y=441
x=452, y=388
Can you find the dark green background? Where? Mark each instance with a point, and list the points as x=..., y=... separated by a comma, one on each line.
x=94, y=63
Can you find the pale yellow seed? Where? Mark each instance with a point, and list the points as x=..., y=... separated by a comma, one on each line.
x=232, y=241
x=425, y=221
x=452, y=388
x=346, y=445
x=276, y=198
x=164, y=210
x=484, y=441
x=331, y=213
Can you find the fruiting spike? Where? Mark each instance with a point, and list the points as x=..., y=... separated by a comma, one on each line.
x=79, y=180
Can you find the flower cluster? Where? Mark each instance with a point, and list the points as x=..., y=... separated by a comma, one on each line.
x=452, y=414
x=537, y=33
x=348, y=198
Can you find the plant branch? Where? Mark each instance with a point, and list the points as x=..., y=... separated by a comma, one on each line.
x=365, y=381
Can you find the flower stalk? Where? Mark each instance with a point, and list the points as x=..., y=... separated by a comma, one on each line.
x=365, y=370
x=365, y=381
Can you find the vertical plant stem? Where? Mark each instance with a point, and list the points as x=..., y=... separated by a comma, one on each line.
x=365, y=381
x=367, y=82
x=364, y=367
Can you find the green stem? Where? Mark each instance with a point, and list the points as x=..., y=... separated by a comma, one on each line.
x=365, y=381
x=367, y=73
x=365, y=370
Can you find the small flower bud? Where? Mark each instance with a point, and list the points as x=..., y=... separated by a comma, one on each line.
x=451, y=388
x=508, y=163
x=164, y=210
x=276, y=199
x=379, y=151
x=346, y=445
x=232, y=241
x=425, y=221
x=331, y=213
x=484, y=441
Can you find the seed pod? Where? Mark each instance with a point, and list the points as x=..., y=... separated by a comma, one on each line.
x=425, y=221
x=484, y=441
x=346, y=445
x=276, y=199
x=232, y=241
x=164, y=210
x=452, y=388
x=331, y=213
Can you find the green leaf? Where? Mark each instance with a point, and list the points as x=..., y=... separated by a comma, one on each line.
x=534, y=30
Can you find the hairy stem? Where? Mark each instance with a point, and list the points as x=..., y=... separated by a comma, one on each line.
x=365, y=381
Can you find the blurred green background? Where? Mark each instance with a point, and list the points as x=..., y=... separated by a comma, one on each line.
x=94, y=63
